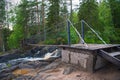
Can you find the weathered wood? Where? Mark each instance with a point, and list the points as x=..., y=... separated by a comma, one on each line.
x=108, y=57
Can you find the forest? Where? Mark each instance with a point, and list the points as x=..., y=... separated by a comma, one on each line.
x=45, y=22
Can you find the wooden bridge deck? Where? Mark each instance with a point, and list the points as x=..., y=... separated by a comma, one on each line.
x=82, y=46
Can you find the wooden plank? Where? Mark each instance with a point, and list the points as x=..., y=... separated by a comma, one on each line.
x=114, y=54
x=109, y=58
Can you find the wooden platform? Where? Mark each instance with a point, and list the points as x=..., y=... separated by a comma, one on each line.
x=90, y=57
x=82, y=46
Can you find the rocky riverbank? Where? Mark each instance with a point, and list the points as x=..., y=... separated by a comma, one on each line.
x=50, y=68
x=16, y=57
x=28, y=59
x=56, y=70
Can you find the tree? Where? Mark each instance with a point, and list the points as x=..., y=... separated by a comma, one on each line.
x=115, y=10
x=6, y=32
x=105, y=18
x=2, y=11
x=20, y=25
x=53, y=14
x=2, y=20
x=88, y=11
x=43, y=17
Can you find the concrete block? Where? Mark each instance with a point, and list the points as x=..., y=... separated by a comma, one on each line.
x=74, y=58
x=83, y=60
x=65, y=56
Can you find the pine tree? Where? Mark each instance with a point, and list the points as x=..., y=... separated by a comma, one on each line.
x=53, y=14
x=20, y=25
x=105, y=18
x=115, y=10
x=88, y=11
x=2, y=20
x=2, y=11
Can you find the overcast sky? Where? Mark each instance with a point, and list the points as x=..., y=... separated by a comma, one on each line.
x=74, y=1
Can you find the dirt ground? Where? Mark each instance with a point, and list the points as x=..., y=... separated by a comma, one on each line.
x=57, y=73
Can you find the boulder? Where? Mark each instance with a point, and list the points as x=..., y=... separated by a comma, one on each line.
x=7, y=76
x=67, y=70
x=24, y=78
x=53, y=65
x=3, y=65
x=25, y=65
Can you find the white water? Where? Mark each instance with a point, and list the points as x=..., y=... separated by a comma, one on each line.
x=47, y=56
x=54, y=54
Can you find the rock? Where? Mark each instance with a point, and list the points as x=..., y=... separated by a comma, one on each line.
x=51, y=66
x=34, y=50
x=51, y=49
x=8, y=70
x=3, y=65
x=32, y=64
x=38, y=64
x=7, y=76
x=10, y=56
x=41, y=51
x=40, y=77
x=24, y=78
x=39, y=54
x=67, y=70
x=25, y=65
x=16, y=61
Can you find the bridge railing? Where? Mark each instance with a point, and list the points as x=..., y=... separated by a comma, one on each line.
x=69, y=39
x=81, y=36
x=82, y=31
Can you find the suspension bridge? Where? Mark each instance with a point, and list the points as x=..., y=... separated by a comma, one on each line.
x=89, y=56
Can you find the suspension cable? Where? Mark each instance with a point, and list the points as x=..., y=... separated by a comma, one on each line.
x=94, y=32
x=78, y=33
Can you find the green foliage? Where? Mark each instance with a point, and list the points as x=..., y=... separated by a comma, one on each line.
x=64, y=8
x=75, y=20
x=6, y=34
x=20, y=26
x=74, y=37
x=57, y=38
x=105, y=18
x=75, y=17
x=88, y=11
x=2, y=11
x=9, y=65
x=50, y=41
x=16, y=36
x=53, y=14
x=61, y=37
x=91, y=37
x=115, y=10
